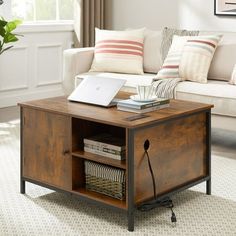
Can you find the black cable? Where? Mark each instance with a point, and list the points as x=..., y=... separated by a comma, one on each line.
x=151, y=171
x=164, y=202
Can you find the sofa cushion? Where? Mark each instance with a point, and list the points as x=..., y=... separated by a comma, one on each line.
x=219, y=93
x=170, y=67
x=151, y=51
x=167, y=37
x=225, y=56
x=151, y=54
x=233, y=76
x=119, y=51
x=131, y=80
x=189, y=57
x=197, y=56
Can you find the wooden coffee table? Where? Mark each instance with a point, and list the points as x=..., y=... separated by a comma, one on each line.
x=52, y=155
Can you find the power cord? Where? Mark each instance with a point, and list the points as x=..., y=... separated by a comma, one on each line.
x=164, y=202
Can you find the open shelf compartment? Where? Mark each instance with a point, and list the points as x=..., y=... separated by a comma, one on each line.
x=84, y=129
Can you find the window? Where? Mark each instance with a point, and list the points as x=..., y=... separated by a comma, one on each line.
x=40, y=10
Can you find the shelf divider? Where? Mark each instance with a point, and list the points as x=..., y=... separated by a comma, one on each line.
x=100, y=159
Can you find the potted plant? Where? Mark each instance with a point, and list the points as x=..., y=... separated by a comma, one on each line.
x=6, y=32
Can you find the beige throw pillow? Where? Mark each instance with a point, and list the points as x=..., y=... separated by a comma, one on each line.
x=170, y=67
x=190, y=57
x=151, y=55
x=118, y=51
x=167, y=35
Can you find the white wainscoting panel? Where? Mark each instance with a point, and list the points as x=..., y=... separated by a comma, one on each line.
x=32, y=69
x=49, y=70
x=14, y=69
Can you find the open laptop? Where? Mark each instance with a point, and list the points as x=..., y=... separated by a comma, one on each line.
x=97, y=90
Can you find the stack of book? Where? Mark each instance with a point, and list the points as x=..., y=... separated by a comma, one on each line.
x=105, y=145
x=142, y=107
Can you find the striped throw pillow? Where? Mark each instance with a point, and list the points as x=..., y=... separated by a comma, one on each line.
x=170, y=67
x=119, y=51
x=167, y=37
x=190, y=57
x=197, y=56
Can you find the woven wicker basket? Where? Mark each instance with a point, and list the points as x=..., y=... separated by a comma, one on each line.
x=105, y=179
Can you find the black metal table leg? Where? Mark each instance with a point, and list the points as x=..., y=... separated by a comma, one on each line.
x=22, y=182
x=131, y=221
x=130, y=183
x=208, y=187
x=208, y=149
x=22, y=186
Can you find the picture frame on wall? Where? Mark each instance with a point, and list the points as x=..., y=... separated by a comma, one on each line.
x=225, y=7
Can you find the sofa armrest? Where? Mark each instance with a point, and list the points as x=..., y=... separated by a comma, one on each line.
x=75, y=61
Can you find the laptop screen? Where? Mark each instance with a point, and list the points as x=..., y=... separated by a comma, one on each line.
x=97, y=90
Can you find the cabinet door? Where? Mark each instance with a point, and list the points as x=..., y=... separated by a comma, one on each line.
x=46, y=148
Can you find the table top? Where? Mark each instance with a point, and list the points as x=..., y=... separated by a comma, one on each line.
x=112, y=116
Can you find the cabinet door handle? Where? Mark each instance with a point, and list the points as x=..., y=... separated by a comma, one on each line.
x=65, y=152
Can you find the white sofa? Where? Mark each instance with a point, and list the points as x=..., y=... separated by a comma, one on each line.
x=217, y=91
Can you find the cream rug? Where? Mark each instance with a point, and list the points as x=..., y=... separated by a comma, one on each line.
x=44, y=212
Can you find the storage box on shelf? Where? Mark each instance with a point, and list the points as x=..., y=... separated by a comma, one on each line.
x=105, y=179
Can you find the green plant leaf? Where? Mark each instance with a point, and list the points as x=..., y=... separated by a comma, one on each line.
x=11, y=25
x=2, y=31
x=9, y=38
x=6, y=29
x=2, y=22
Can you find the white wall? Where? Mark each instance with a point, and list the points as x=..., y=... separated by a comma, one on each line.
x=155, y=14
x=199, y=14
x=32, y=69
x=5, y=9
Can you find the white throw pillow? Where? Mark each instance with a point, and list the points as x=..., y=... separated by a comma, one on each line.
x=197, y=56
x=233, y=76
x=118, y=51
x=151, y=54
x=170, y=67
x=190, y=57
x=151, y=51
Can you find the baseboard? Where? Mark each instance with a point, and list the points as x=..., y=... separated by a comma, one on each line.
x=224, y=122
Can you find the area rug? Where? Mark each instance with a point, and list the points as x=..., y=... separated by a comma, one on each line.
x=44, y=212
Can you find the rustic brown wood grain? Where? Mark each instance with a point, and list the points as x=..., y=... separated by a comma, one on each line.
x=112, y=116
x=177, y=153
x=100, y=159
x=78, y=173
x=46, y=147
x=54, y=129
x=101, y=198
